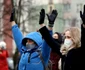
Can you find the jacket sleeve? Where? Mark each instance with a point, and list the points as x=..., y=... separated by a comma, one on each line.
x=17, y=35
x=49, y=40
x=82, y=37
x=7, y=54
x=45, y=52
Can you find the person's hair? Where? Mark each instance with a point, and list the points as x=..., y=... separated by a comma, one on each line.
x=75, y=35
x=60, y=38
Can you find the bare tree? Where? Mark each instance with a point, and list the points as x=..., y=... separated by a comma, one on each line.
x=26, y=15
x=1, y=10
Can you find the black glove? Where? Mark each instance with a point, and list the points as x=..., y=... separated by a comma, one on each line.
x=42, y=16
x=82, y=15
x=12, y=18
x=52, y=17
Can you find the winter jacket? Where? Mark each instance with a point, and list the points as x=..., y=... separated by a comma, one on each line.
x=54, y=57
x=75, y=59
x=3, y=60
x=35, y=62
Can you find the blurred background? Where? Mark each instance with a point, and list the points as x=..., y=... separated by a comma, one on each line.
x=27, y=17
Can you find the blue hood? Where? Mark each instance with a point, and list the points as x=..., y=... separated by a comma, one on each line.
x=35, y=36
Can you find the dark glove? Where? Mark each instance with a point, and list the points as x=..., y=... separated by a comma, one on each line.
x=82, y=15
x=52, y=17
x=42, y=16
x=12, y=18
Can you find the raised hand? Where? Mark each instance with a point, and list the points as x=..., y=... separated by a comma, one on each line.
x=12, y=18
x=52, y=17
x=42, y=16
x=82, y=15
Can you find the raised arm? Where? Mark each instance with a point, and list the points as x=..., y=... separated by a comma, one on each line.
x=50, y=41
x=45, y=48
x=82, y=16
x=17, y=35
x=47, y=36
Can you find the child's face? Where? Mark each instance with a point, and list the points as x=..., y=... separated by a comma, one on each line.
x=30, y=44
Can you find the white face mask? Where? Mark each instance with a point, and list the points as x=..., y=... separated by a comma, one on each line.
x=30, y=46
x=68, y=43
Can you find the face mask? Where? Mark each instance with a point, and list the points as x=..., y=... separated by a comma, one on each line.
x=30, y=46
x=57, y=40
x=68, y=43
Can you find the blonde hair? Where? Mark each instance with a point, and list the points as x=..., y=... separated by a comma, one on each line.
x=76, y=38
x=75, y=35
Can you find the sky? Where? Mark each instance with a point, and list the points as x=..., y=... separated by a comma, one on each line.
x=40, y=2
